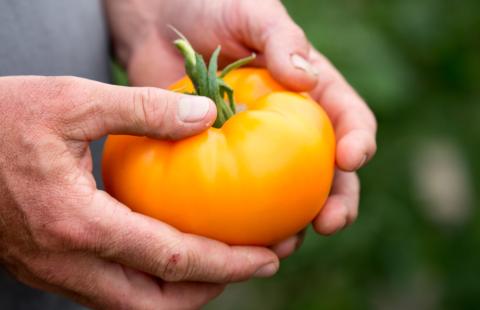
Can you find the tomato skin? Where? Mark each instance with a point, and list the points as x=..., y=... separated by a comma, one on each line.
x=259, y=179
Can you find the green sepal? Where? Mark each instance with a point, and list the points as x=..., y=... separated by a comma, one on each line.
x=206, y=80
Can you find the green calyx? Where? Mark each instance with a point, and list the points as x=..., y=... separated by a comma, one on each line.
x=207, y=82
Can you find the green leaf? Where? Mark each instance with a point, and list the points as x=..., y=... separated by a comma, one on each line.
x=225, y=89
x=237, y=64
x=225, y=111
x=200, y=80
x=212, y=72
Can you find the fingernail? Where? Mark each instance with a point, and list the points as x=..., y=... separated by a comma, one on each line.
x=266, y=271
x=193, y=108
x=301, y=63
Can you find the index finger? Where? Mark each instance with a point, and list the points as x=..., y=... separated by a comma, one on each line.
x=354, y=123
x=146, y=244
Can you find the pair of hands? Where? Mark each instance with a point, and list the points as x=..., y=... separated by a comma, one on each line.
x=59, y=233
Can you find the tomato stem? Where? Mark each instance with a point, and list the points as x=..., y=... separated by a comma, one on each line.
x=206, y=81
x=237, y=64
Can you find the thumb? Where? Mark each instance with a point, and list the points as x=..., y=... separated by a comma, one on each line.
x=143, y=111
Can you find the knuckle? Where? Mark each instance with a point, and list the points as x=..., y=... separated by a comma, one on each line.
x=235, y=272
x=142, y=99
x=234, y=266
x=177, y=264
x=145, y=108
x=154, y=111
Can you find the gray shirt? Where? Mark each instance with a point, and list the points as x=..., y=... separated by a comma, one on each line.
x=51, y=37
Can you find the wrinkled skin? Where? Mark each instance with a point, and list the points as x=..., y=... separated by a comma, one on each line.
x=60, y=234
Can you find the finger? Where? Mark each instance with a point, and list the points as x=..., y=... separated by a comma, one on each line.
x=341, y=208
x=199, y=294
x=283, y=43
x=92, y=282
x=101, y=284
x=148, y=245
x=101, y=109
x=288, y=246
x=178, y=295
x=355, y=125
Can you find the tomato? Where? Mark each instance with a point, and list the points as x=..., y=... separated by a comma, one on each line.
x=260, y=178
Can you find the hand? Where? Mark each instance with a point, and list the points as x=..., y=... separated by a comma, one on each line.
x=59, y=233
x=144, y=45
x=355, y=129
x=143, y=40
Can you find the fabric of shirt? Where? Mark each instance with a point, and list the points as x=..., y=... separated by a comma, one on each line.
x=51, y=37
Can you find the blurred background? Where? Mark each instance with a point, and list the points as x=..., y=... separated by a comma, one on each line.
x=416, y=243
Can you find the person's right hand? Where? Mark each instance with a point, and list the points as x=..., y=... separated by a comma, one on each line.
x=59, y=233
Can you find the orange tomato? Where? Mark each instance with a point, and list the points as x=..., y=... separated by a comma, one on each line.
x=260, y=178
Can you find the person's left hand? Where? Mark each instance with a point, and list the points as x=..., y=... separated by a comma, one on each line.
x=143, y=44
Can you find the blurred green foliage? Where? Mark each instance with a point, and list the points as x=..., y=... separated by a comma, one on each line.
x=417, y=64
